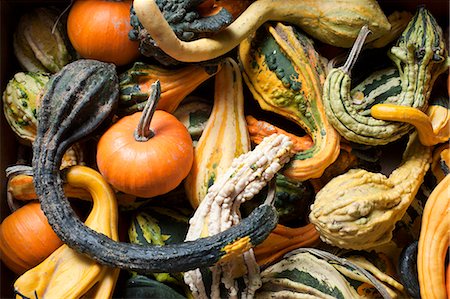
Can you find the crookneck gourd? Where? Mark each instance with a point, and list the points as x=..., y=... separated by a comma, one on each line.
x=219, y=210
x=40, y=41
x=67, y=273
x=285, y=75
x=78, y=99
x=187, y=19
x=420, y=56
x=224, y=137
x=359, y=209
x=433, y=127
x=333, y=22
x=176, y=84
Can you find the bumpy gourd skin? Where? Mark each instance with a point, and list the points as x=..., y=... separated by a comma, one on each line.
x=419, y=56
x=285, y=75
x=359, y=209
x=77, y=101
x=184, y=20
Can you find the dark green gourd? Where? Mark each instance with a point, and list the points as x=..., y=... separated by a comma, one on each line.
x=78, y=99
x=419, y=58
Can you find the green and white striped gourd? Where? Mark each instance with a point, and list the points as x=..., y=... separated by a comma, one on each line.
x=313, y=273
x=420, y=57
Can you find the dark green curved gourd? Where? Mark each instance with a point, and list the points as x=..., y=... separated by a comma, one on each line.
x=419, y=56
x=78, y=99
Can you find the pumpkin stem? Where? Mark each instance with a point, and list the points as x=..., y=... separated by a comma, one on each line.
x=356, y=49
x=143, y=132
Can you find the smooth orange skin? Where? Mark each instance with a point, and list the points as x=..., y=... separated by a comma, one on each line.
x=98, y=29
x=150, y=168
x=26, y=238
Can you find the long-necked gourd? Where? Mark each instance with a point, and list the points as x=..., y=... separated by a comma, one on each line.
x=433, y=127
x=331, y=21
x=420, y=57
x=285, y=75
x=77, y=100
x=225, y=136
x=359, y=209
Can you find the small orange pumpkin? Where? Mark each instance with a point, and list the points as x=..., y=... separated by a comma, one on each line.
x=147, y=153
x=98, y=29
x=26, y=238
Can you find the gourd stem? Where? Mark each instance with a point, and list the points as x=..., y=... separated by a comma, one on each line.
x=143, y=132
x=356, y=49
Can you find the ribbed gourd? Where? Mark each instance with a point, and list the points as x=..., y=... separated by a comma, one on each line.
x=176, y=84
x=285, y=75
x=359, y=209
x=420, y=57
x=20, y=101
x=78, y=99
x=40, y=41
x=225, y=136
x=220, y=210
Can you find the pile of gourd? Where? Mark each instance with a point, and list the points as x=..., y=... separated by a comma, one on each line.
x=229, y=149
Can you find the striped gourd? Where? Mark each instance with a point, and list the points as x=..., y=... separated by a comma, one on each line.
x=285, y=75
x=313, y=273
x=419, y=56
x=224, y=137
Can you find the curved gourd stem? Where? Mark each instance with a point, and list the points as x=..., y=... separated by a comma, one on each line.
x=143, y=132
x=427, y=135
x=356, y=50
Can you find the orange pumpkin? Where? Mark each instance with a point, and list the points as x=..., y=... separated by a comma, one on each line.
x=26, y=238
x=98, y=29
x=151, y=160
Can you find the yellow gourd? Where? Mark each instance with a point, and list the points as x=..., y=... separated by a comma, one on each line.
x=67, y=273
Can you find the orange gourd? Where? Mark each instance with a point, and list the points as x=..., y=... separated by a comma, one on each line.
x=26, y=238
x=98, y=29
x=147, y=153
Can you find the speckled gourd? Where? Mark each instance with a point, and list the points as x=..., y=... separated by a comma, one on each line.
x=285, y=75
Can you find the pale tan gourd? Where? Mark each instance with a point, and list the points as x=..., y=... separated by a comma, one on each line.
x=359, y=209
